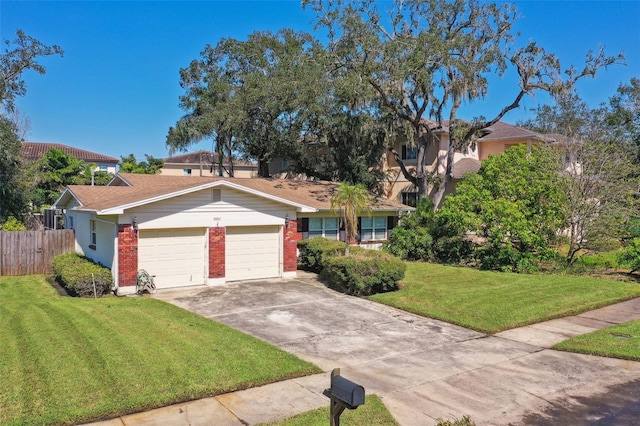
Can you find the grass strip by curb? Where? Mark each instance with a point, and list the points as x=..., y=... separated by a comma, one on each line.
x=619, y=341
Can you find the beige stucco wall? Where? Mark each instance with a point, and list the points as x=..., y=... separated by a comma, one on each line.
x=178, y=170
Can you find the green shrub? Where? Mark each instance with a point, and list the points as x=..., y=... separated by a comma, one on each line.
x=410, y=244
x=363, y=272
x=315, y=251
x=13, y=224
x=630, y=255
x=78, y=275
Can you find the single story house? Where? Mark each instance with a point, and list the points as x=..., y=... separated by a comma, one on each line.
x=32, y=151
x=205, y=230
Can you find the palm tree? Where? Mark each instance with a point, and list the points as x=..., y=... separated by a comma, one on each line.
x=350, y=201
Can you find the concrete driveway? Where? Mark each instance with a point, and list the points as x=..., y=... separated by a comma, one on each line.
x=425, y=369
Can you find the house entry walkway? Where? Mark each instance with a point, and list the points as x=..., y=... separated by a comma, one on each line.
x=423, y=369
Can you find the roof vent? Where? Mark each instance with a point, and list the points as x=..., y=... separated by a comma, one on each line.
x=216, y=195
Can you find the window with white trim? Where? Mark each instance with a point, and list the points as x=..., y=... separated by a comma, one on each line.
x=373, y=228
x=186, y=172
x=69, y=224
x=327, y=227
x=94, y=237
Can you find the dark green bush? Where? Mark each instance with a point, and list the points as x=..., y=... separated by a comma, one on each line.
x=78, y=274
x=363, y=272
x=410, y=243
x=315, y=251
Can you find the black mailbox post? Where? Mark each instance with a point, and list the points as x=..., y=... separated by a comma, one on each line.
x=343, y=394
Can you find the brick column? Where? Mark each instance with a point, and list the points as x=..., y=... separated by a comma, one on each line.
x=217, y=252
x=290, y=249
x=127, y=255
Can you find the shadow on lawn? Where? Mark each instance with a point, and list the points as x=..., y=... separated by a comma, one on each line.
x=57, y=287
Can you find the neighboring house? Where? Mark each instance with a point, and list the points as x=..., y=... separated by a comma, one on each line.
x=202, y=230
x=205, y=163
x=32, y=151
x=496, y=139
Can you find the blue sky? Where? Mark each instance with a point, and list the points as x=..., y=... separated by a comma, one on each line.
x=116, y=89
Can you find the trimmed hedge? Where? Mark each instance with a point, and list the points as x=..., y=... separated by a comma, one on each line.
x=315, y=251
x=78, y=273
x=364, y=272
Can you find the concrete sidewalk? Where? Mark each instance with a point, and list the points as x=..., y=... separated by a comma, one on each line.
x=507, y=378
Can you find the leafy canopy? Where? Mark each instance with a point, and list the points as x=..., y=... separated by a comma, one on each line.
x=514, y=204
x=416, y=62
x=129, y=164
x=19, y=56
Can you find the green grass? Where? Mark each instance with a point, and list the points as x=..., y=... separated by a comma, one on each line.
x=603, y=260
x=372, y=413
x=69, y=360
x=491, y=301
x=620, y=341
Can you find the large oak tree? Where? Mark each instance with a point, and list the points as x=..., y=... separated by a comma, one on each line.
x=417, y=61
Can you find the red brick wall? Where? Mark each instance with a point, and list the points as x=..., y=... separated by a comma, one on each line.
x=216, y=252
x=290, y=249
x=127, y=255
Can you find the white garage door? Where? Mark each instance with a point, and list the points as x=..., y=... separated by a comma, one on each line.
x=175, y=256
x=252, y=252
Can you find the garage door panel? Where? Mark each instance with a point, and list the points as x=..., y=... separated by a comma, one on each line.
x=175, y=256
x=252, y=253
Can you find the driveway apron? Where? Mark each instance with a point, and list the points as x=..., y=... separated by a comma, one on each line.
x=423, y=369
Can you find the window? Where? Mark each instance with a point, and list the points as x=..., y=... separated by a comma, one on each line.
x=409, y=153
x=94, y=238
x=102, y=168
x=323, y=227
x=69, y=224
x=186, y=172
x=410, y=199
x=373, y=228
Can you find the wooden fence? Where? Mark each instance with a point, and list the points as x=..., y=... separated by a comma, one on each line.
x=30, y=252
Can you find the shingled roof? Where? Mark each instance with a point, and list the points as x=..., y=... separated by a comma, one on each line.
x=128, y=190
x=35, y=150
x=502, y=130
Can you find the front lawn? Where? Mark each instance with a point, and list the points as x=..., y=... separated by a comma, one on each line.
x=372, y=413
x=68, y=360
x=493, y=301
x=619, y=341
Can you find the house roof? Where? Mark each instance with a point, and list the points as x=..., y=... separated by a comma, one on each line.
x=465, y=165
x=204, y=157
x=502, y=130
x=35, y=150
x=132, y=190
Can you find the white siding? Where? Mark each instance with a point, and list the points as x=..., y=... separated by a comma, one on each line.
x=106, y=233
x=236, y=208
x=252, y=253
x=175, y=256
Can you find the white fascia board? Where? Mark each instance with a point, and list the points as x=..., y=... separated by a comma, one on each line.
x=122, y=208
x=66, y=194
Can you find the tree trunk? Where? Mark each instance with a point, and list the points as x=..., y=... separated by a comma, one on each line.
x=446, y=179
x=263, y=168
